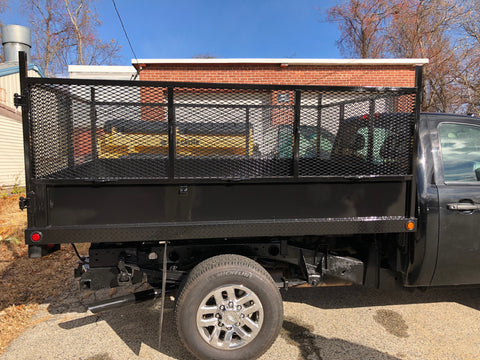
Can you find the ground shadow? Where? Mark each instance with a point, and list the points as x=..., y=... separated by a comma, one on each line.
x=358, y=296
x=138, y=324
x=316, y=347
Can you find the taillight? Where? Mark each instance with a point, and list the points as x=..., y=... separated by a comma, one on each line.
x=36, y=236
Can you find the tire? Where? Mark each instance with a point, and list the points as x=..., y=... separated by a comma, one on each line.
x=229, y=308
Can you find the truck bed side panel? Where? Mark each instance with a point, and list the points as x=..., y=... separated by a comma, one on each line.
x=127, y=204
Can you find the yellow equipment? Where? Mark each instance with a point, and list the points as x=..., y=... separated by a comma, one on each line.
x=129, y=137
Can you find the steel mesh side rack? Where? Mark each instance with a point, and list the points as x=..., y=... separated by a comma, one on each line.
x=94, y=131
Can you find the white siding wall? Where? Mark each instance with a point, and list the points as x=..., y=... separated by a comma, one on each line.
x=11, y=152
x=9, y=85
x=11, y=134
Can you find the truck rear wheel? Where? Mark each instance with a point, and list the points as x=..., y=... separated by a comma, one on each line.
x=229, y=308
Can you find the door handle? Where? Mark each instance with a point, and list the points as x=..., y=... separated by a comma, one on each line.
x=463, y=206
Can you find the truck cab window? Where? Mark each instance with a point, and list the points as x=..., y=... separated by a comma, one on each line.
x=381, y=138
x=461, y=152
x=308, y=142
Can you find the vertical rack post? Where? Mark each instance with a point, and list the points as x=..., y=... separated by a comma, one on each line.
x=171, y=133
x=24, y=96
x=247, y=130
x=296, y=133
x=27, y=148
x=70, y=130
x=411, y=207
x=371, y=130
x=319, y=126
x=93, y=124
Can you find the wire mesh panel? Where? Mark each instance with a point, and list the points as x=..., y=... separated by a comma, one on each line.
x=345, y=133
x=229, y=133
x=51, y=135
x=173, y=132
x=98, y=132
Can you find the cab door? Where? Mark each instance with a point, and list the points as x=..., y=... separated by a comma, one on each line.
x=457, y=178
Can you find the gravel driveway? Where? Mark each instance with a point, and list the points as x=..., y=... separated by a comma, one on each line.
x=322, y=323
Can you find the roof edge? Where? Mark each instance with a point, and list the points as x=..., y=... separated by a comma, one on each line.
x=15, y=69
x=287, y=61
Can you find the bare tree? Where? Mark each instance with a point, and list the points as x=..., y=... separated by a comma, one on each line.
x=469, y=77
x=49, y=31
x=424, y=29
x=362, y=24
x=89, y=48
x=78, y=19
x=412, y=29
x=65, y=32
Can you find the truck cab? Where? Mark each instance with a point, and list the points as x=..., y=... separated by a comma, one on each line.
x=445, y=250
x=447, y=243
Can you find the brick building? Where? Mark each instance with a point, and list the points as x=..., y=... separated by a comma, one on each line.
x=329, y=72
x=320, y=72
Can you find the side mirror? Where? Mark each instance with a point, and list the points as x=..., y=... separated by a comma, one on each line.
x=477, y=174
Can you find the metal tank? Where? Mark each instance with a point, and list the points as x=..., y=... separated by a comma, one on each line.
x=15, y=38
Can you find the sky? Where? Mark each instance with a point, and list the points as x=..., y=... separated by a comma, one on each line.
x=223, y=28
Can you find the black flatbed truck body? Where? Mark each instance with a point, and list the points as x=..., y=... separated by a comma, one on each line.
x=75, y=195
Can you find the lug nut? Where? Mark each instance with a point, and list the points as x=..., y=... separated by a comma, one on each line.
x=222, y=307
x=217, y=315
x=239, y=308
x=242, y=316
x=230, y=304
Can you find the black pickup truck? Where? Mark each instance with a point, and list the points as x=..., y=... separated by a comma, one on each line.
x=228, y=193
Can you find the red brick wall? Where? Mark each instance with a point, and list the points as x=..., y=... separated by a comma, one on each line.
x=329, y=75
x=339, y=75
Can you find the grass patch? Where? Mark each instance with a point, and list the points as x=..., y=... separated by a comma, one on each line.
x=12, y=221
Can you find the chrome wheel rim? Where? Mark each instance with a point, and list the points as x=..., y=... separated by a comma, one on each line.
x=230, y=317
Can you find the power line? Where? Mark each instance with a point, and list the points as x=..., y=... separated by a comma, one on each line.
x=125, y=32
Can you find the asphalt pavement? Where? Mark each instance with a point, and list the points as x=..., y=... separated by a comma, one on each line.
x=320, y=324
